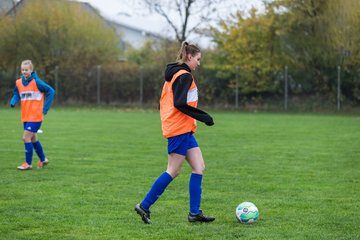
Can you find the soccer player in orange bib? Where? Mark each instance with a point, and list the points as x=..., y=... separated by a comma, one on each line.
x=178, y=113
x=35, y=98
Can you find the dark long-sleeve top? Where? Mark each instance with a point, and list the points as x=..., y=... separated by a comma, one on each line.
x=180, y=89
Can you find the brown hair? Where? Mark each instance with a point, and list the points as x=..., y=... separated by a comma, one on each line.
x=186, y=49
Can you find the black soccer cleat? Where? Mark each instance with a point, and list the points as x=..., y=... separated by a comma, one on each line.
x=200, y=217
x=145, y=214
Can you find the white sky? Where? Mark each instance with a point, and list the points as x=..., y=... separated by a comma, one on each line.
x=130, y=12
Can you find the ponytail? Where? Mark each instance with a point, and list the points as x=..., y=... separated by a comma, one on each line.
x=186, y=49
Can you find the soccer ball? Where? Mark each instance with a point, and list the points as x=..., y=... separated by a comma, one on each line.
x=247, y=212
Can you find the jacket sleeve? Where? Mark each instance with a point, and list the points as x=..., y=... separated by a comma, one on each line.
x=180, y=89
x=15, y=98
x=49, y=94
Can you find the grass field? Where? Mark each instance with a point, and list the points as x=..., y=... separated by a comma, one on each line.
x=301, y=170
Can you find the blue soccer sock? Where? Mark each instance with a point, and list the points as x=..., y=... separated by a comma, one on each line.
x=39, y=150
x=156, y=190
x=195, y=192
x=28, y=152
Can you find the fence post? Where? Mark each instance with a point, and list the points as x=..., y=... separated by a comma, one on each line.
x=141, y=87
x=237, y=88
x=338, y=87
x=98, y=84
x=57, y=85
x=286, y=88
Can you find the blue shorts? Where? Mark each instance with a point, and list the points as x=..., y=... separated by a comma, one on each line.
x=180, y=144
x=32, y=126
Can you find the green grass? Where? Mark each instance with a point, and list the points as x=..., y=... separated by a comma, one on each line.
x=301, y=170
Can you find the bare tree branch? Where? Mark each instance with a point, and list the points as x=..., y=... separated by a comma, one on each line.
x=196, y=12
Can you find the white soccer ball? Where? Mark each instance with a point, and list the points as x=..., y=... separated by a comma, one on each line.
x=247, y=212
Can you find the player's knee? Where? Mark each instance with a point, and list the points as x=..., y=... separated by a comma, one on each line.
x=27, y=137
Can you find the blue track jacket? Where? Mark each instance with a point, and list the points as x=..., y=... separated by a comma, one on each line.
x=43, y=87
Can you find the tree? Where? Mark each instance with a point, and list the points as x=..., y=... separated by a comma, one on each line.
x=319, y=35
x=312, y=37
x=63, y=34
x=184, y=17
x=250, y=43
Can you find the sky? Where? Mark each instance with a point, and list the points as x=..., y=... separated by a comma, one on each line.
x=131, y=13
